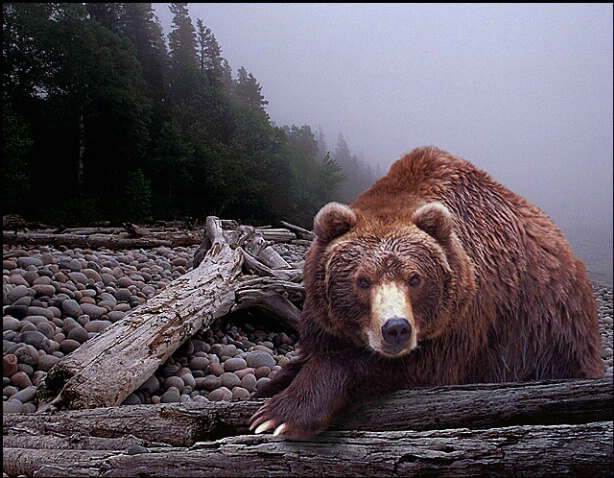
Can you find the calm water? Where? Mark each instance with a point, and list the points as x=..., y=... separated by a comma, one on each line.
x=595, y=250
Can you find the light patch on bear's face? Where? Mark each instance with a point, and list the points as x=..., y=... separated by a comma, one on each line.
x=389, y=301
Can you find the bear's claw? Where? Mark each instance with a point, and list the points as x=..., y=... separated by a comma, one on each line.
x=269, y=424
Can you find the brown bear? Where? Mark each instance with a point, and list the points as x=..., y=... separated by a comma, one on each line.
x=436, y=275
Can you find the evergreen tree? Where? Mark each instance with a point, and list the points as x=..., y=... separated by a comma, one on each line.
x=209, y=53
x=182, y=38
x=109, y=15
x=322, y=146
x=143, y=28
x=227, y=81
x=343, y=156
x=358, y=175
x=248, y=92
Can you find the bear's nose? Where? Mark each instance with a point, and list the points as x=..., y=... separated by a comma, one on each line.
x=396, y=331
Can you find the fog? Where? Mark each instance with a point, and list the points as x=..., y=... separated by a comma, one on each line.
x=522, y=91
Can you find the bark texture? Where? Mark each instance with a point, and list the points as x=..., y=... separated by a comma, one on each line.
x=553, y=428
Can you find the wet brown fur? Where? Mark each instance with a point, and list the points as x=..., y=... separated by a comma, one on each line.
x=505, y=298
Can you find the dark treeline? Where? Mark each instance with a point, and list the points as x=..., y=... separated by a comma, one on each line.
x=106, y=119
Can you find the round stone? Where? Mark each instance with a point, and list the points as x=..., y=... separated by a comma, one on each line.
x=239, y=393
x=151, y=385
x=132, y=399
x=170, y=396
x=216, y=369
x=42, y=289
x=243, y=372
x=25, y=395
x=107, y=278
x=28, y=354
x=17, y=293
x=91, y=274
x=21, y=380
x=234, y=364
x=230, y=380
x=249, y=382
x=72, y=308
x=123, y=294
x=78, y=277
x=24, y=262
x=262, y=381
x=221, y=393
x=46, y=328
x=199, y=363
x=125, y=281
x=209, y=382
x=260, y=358
x=174, y=381
x=69, y=324
x=37, y=340
x=12, y=406
x=229, y=350
x=189, y=380
x=45, y=362
x=18, y=279
x=9, y=365
x=19, y=311
x=93, y=311
x=97, y=325
x=11, y=323
x=26, y=326
x=44, y=311
x=71, y=265
x=69, y=345
x=116, y=315
x=79, y=334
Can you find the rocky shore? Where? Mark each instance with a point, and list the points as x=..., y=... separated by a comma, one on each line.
x=54, y=300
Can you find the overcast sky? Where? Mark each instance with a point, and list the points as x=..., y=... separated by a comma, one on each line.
x=522, y=91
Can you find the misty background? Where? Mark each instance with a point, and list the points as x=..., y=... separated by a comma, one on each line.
x=522, y=91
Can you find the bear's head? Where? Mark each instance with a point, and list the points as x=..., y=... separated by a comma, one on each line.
x=387, y=287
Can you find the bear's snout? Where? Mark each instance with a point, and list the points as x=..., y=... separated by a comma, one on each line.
x=396, y=331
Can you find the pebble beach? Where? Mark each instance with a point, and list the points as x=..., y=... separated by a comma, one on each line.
x=55, y=300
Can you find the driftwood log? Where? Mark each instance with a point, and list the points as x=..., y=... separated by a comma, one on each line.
x=112, y=238
x=555, y=428
x=110, y=366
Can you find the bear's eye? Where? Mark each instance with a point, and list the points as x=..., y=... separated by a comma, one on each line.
x=363, y=283
x=415, y=280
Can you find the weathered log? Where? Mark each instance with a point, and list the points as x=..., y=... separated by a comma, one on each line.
x=93, y=241
x=465, y=406
x=529, y=450
x=566, y=423
x=302, y=233
x=106, y=369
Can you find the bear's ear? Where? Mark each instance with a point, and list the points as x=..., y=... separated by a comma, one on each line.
x=434, y=219
x=333, y=220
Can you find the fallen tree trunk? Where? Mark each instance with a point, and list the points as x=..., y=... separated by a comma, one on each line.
x=96, y=240
x=450, y=431
x=473, y=406
x=107, y=368
x=563, y=450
